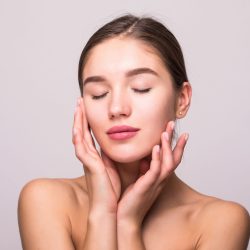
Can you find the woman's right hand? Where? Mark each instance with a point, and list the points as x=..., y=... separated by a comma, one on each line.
x=102, y=179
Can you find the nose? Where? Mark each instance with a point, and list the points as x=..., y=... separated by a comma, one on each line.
x=119, y=105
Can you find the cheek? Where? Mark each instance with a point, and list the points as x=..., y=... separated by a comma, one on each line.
x=154, y=123
x=155, y=114
x=157, y=110
x=95, y=118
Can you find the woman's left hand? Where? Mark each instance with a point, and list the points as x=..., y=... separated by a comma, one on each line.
x=140, y=196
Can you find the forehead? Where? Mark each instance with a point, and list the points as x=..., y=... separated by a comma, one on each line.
x=117, y=55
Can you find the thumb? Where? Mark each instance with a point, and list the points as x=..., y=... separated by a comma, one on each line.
x=112, y=173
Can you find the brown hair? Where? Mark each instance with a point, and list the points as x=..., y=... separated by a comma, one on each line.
x=148, y=30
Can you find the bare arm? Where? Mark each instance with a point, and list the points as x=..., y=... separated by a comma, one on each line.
x=129, y=237
x=101, y=232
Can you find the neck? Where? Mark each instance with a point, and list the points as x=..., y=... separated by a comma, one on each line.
x=129, y=173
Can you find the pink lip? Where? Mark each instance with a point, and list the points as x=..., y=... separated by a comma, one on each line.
x=122, y=132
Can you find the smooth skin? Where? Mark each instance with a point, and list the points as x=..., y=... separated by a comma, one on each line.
x=130, y=196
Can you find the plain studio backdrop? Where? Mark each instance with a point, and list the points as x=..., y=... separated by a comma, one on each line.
x=41, y=42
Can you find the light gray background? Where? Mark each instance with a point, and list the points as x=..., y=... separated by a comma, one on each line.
x=40, y=46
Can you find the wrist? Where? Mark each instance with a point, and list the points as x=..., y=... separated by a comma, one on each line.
x=129, y=236
x=97, y=215
x=99, y=209
x=130, y=226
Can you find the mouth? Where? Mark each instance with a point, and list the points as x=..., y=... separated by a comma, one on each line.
x=122, y=132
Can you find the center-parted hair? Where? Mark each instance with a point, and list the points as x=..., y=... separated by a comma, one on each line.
x=147, y=30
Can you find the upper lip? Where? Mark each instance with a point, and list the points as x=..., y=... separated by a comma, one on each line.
x=122, y=128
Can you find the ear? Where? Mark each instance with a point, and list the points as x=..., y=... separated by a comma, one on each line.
x=183, y=100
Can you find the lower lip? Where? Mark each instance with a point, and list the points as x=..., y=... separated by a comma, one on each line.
x=122, y=135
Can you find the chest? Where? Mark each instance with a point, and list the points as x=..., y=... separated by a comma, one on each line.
x=174, y=231
x=169, y=233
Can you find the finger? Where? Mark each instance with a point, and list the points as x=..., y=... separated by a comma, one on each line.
x=89, y=129
x=82, y=109
x=76, y=127
x=81, y=149
x=156, y=154
x=85, y=127
x=146, y=181
x=112, y=174
x=179, y=148
x=170, y=130
x=167, y=157
x=155, y=162
x=167, y=162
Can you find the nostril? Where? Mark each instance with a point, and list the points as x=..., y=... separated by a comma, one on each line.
x=117, y=112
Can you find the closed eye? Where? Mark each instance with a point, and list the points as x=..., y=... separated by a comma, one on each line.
x=95, y=97
x=142, y=90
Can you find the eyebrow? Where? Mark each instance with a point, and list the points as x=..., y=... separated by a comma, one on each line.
x=129, y=73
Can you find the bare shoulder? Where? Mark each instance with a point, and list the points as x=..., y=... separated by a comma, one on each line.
x=223, y=224
x=45, y=205
x=53, y=191
x=216, y=210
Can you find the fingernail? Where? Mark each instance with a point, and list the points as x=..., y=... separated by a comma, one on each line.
x=165, y=134
x=186, y=136
x=157, y=148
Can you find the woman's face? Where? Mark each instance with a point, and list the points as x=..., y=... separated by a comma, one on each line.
x=112, y=67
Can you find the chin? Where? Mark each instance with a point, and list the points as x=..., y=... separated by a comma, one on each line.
x=127, y=156
x=124, y=159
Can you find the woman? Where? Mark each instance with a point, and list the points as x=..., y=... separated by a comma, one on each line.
x=134, y=87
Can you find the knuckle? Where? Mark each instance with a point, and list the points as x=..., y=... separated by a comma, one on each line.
x=74, y=140
x=79, y=152
x=168, y=164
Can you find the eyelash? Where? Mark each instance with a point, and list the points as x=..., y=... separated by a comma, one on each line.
x=139, y=91
x=96, y=97
x=142, y=90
